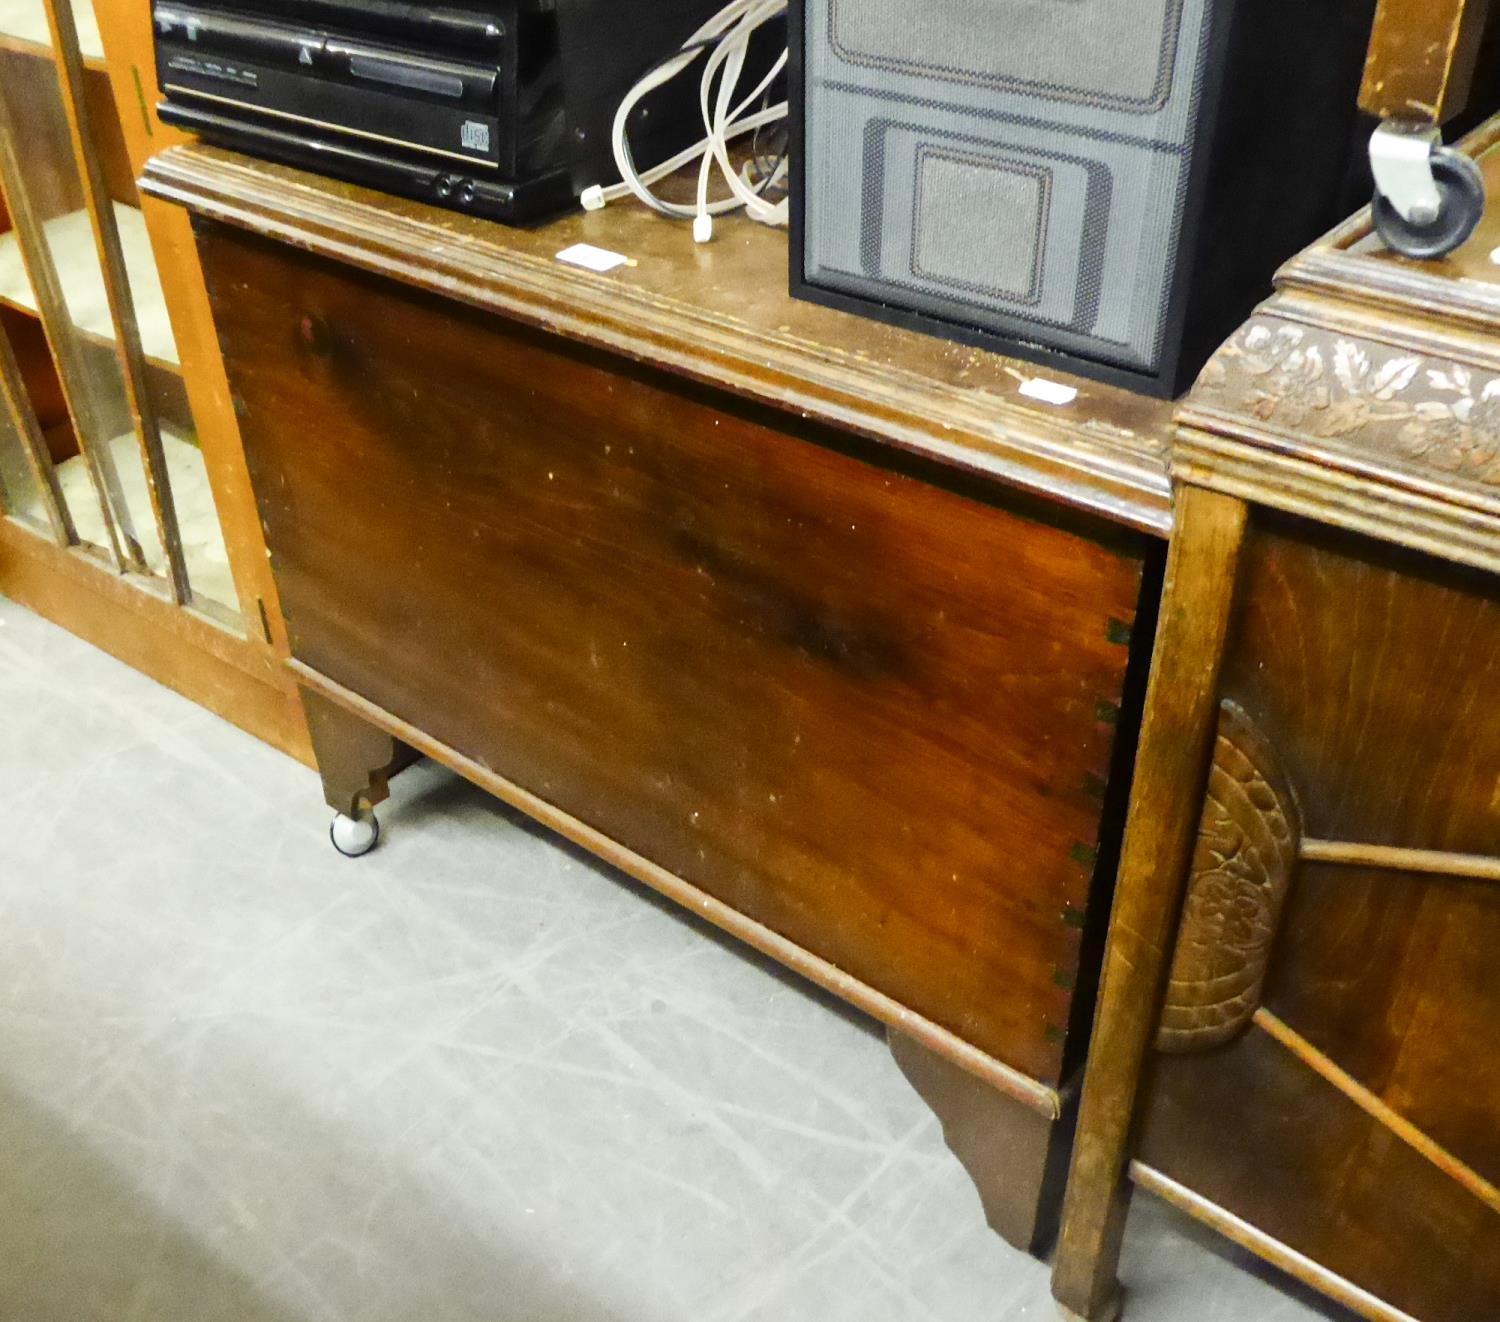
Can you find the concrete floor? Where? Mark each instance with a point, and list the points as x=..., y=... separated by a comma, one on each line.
x=472, y=1076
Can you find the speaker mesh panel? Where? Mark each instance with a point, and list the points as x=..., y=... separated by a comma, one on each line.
x=1014, y=165
x=1117, y=53
x=1001, y=254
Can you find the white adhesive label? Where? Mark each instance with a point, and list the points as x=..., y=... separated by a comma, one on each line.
x=1049, y=392
x=592, y=258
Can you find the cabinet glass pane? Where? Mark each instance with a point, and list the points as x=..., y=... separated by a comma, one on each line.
x=49, y=267
x=58, y=276
x=197, y=518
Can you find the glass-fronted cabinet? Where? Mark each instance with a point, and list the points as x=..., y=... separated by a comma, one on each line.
x=119, y=470
x=100, y=454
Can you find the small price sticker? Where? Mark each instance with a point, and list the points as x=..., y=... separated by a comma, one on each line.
x=1048, y=392
x=593, y=259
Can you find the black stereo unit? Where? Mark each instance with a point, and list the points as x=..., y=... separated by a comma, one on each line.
x=1107, y=185
x=501, y=108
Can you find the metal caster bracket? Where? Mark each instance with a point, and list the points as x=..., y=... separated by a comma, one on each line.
x=1428, y=198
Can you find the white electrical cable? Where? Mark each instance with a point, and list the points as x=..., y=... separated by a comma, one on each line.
x=728, y=61
x=597, y=197
x=659, y=76
x=724, y=43
x=723, y=26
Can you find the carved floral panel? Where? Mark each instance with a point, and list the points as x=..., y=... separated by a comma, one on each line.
x=1424, y=410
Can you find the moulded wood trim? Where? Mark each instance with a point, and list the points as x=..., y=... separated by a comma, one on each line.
x=1425, y=862
x=1204, y=428
x=1264, y=1246
x=1341, y=497
x=1389, y=327
x=1337, y=273
x=1039, y=1097
x=1084, y=460
x=1342, y=398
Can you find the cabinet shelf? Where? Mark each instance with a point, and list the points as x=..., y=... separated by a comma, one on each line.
x=23, y=29
x=72, y=243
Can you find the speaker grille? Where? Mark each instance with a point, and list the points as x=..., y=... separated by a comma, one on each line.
x=1115, y=53
x=1019, y=166
x=1000, y=254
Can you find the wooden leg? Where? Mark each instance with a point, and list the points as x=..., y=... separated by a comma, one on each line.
x=354, y=758
x=1014, y=1154
x=1171, y=768
x=1110, y=1312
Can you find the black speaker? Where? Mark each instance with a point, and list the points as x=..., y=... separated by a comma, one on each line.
x=1103, y=185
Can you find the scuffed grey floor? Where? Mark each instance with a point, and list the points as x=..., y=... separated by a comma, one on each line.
x=472, y=1076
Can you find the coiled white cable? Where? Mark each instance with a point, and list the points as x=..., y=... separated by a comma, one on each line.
x=724, y=40
x=727, y=60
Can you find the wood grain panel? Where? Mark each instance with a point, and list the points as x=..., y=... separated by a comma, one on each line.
x=1253, y=1130
x=872, y=712
x=1394, y=976
x=1372, y=671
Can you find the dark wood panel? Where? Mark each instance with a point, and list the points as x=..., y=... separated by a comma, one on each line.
x=870, y=711
x=1255, y=1131
x=1372, y=672
x=1395, y=977
x=108, y=137
x=29, y=342
x=1016, y=1157
x=1364, y=1136
x=31, y=105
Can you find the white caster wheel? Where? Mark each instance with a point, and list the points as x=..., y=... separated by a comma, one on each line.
x=353, y=836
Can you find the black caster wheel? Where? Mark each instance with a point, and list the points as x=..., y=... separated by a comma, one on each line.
x=1460, y=189
x=354, y=836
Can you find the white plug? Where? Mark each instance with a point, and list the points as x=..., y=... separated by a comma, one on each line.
x=593, y=198
x=703, y=227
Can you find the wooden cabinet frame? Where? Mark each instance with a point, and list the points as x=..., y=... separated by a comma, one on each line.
x=225, y=655
x=1349, y=402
